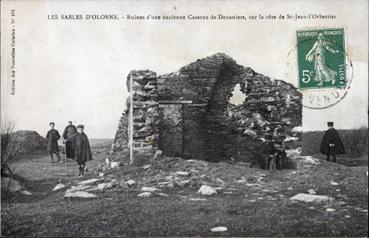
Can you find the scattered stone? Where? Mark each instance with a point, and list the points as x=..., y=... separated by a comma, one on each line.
x=25, y=192
x=105, y=186
x=241, y=181
x=77, y=188
x=101, y=174
x=291, y=138
x=304, y=197
x=338, y=190
x=334, y=183
x=219, y=229
x=163, y=184
x=89, y=182
x=144, y=195
x=58, y=187
x=114, y=165
x=183, y=183
x=310, y=160
x=207, y=190
x=149, y=189
x=146, y=166
x=183, y=173
x=252, y=200
x=347, y=216
x=311, y=191
x=79, y=194
x=163, y=194
x=170, y=185
x=311, y=208
x=169, y=178
x=197, y=199
x=131, y=182
x=330, y=210
x=290, y=188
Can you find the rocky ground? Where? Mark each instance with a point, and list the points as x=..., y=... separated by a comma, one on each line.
x=176, y=197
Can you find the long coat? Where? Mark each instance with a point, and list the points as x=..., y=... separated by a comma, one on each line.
x=331, y=136
x=52, y=138
x=69, y=133
x=83, y=150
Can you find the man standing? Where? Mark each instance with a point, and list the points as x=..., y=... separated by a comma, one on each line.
x=69, y=133
x=52, y=138
x=83, y=150
x=331, y=144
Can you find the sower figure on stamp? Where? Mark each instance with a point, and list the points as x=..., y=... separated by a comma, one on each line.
x=83, y=150
x=331, y=143
x=52, y=138
x=69, y=133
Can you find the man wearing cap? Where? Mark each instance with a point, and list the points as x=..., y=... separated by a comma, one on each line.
x=52, y=138
x=83, y=150
x=69, y=133
x=331, y=144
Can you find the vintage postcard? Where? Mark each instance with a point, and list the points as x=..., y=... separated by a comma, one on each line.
x=184, y=118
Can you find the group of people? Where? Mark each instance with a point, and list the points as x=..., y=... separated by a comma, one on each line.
x=331, y=145
x=77, y=146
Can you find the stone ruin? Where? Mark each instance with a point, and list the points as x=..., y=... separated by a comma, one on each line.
x=188, y=113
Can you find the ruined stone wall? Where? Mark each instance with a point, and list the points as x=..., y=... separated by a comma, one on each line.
x=120, y=143
x=145, y=116
x=207, y=126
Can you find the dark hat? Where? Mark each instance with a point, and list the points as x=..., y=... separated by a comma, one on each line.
x=330, y=123
x=51, y=123
x=80, y=126
x=69, y=121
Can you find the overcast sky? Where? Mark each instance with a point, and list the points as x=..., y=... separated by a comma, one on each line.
x=76, y=70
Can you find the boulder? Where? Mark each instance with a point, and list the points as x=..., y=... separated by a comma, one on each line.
x=219, y=229
x=149, y=189
x=131, y=182
x=105, y=186
x=144, y=195
x=114, y=165
x=79, y=195
x=207, y=190
x=29, y=141
x=183, y=173
x=304, y=197
x=89, y=182
x=25, y=192
x=58, y=187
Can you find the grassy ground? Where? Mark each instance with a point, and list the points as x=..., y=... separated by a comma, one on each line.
x=251, y=202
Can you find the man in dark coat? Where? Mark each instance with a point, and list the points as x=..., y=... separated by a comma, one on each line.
x=83, y=150
x=69, y=133
x=52, y=138
x=331, y=143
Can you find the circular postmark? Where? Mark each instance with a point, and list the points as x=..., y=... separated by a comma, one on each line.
x=323, y=68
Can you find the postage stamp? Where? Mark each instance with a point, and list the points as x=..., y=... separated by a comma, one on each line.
x=321, y=58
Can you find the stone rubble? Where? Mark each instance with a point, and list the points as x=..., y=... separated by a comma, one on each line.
x=311, y=198
x=59, y=186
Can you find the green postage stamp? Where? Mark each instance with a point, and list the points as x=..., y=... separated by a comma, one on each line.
x=321, y=58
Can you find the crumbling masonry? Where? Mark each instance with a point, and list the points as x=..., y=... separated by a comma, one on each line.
x=188, y=113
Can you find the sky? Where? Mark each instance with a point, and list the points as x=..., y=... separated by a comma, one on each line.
x=76, y=69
